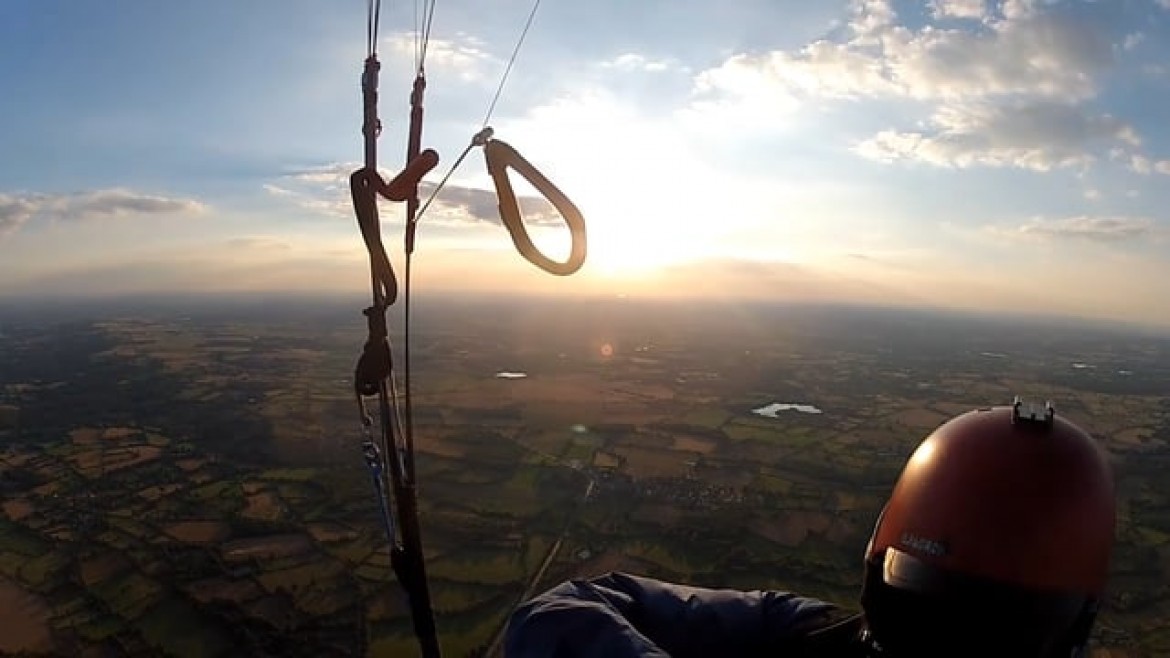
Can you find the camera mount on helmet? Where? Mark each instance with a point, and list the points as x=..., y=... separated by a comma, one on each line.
x=1026, y=413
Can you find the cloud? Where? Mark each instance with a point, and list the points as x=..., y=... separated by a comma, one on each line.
x=637, y=62
x=1140, y=164
x=121, y=202
x=327, y=202
x=822, y=69
x=332, y=175
x=1035, y=54
x=870, y=17
x=1084, y=228
x=972, y=9
x=1008, y=91
x=18, y=209
x=1133, y=40
x=256, y=243
x=14, y=212
x=1040, y=136
x=459, y=202
x=1018, y=8
x=320, y=189
x=464, y=55
x=276, y=190
x=1043, y=55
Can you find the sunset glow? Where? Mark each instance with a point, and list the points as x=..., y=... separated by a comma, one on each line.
x=883, y=151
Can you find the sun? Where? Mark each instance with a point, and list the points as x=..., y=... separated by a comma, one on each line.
x=614, y=257
x=635, y=250
x=639, y=250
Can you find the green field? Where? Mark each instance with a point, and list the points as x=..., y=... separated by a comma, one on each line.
x=258, y=493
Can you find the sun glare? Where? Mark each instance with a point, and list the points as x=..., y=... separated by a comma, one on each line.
x=644, y=243
x=644, y=191
x=637, y=252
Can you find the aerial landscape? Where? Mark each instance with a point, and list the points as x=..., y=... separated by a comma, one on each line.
x=186, y=477
x=672, y=288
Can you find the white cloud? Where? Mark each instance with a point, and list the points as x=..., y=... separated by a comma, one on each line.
x=822, y=69
x=972, y=9
x=1133, y=40
x=1143, y=165
x=463, y=56
x=19, y=208
x=321, y=189
x=637, y=62
x=1045, y=55
x=1026, y=53
x=871, y=17
x=1084, y=228
x=1017, y=8
x=1006, y=92
x=315, y=192
x=14, y=212
x=334, y=175
x=120, y=202
x=1038, y=136
x=276, y=190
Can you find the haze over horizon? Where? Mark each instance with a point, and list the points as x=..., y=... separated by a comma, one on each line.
x=998, y=155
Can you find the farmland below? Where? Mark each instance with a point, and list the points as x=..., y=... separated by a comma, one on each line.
x=189, y=480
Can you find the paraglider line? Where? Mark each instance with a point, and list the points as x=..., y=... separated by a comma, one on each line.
x=508, y=69
x=373, y=17
x=426, y=32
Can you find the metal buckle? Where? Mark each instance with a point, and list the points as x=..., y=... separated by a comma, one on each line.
x=1027, y=413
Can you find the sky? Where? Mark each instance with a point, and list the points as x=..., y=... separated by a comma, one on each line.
x=999, y=155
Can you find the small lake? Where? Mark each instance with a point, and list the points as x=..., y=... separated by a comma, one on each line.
x=773, y=410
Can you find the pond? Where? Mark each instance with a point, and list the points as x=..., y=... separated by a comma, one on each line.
x=773, y=410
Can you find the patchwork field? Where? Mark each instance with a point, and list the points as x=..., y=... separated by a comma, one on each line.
x=206, y=493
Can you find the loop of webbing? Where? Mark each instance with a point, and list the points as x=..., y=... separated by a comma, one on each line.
x=364, y=186
x=362, y=190
x=500, y=156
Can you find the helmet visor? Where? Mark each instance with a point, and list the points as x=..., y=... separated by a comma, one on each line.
x=917, y=609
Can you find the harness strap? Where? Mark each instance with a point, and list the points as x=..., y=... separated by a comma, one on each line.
x=500, y=156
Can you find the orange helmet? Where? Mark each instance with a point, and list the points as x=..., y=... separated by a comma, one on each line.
x=995, y=542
